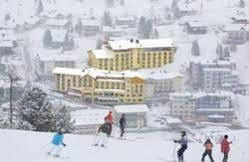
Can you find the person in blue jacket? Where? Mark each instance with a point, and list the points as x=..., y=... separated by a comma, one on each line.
x=57, y=144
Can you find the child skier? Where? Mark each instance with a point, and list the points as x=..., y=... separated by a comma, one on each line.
x=184, y=145
x=122, y=124
x=208, y=151
x=104, y=132
x=225, y=148
x=57, y=144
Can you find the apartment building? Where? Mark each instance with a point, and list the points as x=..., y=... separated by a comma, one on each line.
x=213, y=75
x=118, y=55
x=202, y=106
x=101, y=86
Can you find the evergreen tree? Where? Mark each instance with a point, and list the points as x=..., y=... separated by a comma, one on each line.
x=141, y=25
x=47, y=38
x=99, y=44
x=145, y=28
x=7, y=17
x=174, y=4
x=40, y=8
x=219, y=51
x=242, y=4
x=226, y=52
x=63, y=120
x=122, y=2
x=35, y=110
x=68, y=43
x=109, y=3
x=156, y=33
x=79, y=27
x=195, y=50
x=107, y=19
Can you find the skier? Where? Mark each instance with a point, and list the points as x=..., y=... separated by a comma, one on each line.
x=109, y=117
x=57, y=144
x=184, y=145
x=225, y=148
x=104, y=132
x=122, y=124
x=208, y=151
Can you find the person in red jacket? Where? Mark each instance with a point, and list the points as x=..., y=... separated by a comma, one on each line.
x=225, y=148
x=109, y=117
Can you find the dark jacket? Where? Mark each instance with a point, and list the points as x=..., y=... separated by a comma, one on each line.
x=122, y=121
x=105, y=128
x=183, y=141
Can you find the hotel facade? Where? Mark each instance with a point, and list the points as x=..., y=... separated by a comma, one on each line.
x=119, y=55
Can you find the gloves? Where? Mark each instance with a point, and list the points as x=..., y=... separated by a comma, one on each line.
x=64, y=145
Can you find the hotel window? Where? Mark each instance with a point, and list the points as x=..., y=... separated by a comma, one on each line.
x=112, y=85
x=107, y=85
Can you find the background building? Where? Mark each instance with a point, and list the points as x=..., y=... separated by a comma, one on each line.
x=213, y=75
x=100, y=86
x=136, y=115
x=203, y=106
x=132, y=54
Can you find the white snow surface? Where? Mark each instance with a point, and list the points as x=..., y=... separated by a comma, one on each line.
x=26, y=146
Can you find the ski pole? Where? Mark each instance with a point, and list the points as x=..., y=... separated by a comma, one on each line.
x=174, y=151
x=45, y=146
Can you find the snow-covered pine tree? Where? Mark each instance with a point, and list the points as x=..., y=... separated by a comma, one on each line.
x=107, y=19
x=79, y=27
x=122, y=2
x=47, y=38
x=109, y=3
x=39, y=8
x=141, y=25
x=219, y=51
x=35, y=109
x=156, y=33
x=242, y=4
x=68, y=43
x=99, y=43
x=195, y=50
x=63, y=120
x=226, y=52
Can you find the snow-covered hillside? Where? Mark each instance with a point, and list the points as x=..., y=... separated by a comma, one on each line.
x=24, y=146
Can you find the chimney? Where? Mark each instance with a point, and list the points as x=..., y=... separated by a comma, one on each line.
x=131, y=40
x=137, y=41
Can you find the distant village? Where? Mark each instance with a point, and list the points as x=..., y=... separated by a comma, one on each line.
x=118, y=74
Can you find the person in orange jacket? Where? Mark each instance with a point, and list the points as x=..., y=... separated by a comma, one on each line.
x=208, y=151
x=225, y=148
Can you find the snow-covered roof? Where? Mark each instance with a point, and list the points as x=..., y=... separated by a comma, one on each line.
x=171, y=120
x=56, y=22
x=216, y=70
x=161, y=75
x=145, y=43
x=32, y=20
x=58, y=35
x=102, y=54
x=125, y=18
x=57, y=55
x=96, y=73
x=201, y=94
x=89, y=116
x=210, y=62
x=216, y=116
x=6, y=43
x=68, y=71
x=195, y=24
x=139, y=108
x=111, y=29
x=236, y=27
x=185, y=7
x=215, y=110
x=91, y=22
